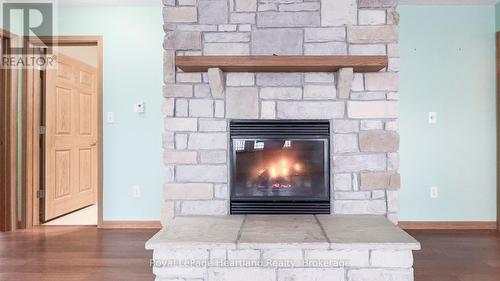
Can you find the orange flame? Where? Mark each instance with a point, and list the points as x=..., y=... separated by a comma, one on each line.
x=282, y=168
x=273, y=172
x=297, y=167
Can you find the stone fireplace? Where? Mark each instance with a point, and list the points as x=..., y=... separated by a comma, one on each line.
x=284, y=143
x=362, y=108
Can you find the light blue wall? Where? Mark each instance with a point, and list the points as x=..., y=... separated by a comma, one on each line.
x=132, y=72
x=497, y=16
x=448, y=66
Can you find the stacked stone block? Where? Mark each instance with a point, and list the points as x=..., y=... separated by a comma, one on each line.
x=364, y=114
x=354, y=264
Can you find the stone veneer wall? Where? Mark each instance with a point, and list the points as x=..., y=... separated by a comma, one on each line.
x=364, y=119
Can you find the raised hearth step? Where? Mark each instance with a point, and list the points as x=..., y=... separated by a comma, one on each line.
x=275, y=231
x=283, y=247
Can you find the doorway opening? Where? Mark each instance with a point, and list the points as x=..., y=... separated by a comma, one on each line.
x=68, y=145
x=63, y=141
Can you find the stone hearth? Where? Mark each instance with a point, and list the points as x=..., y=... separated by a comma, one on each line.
x=279, y=248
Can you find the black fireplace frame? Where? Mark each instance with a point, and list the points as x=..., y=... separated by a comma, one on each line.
x=262, y=130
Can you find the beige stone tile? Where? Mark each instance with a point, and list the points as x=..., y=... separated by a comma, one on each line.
x=365, y=231
x=198, y=232
x=281, y=231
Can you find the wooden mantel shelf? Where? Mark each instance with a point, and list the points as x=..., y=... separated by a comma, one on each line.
x=281, y=63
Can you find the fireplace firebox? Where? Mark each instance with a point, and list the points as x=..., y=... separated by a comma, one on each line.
x=280, y=167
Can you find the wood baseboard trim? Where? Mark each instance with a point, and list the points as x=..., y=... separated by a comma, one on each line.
x=130, y=225
x=448, y=225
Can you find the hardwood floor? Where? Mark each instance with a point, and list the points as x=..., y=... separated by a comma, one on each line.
x=457, y=256
x=86, y=253
x=58, y=253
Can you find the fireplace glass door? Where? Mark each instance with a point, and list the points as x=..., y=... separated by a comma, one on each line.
x=279, y=169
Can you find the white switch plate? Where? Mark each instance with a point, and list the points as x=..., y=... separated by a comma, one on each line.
x=136, y=191
x=434, y=192
x=432, y=117
x=110, y=117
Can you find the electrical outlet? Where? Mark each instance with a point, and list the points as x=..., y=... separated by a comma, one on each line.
x=136, y=191
x=434, y=192
x=432, y=117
